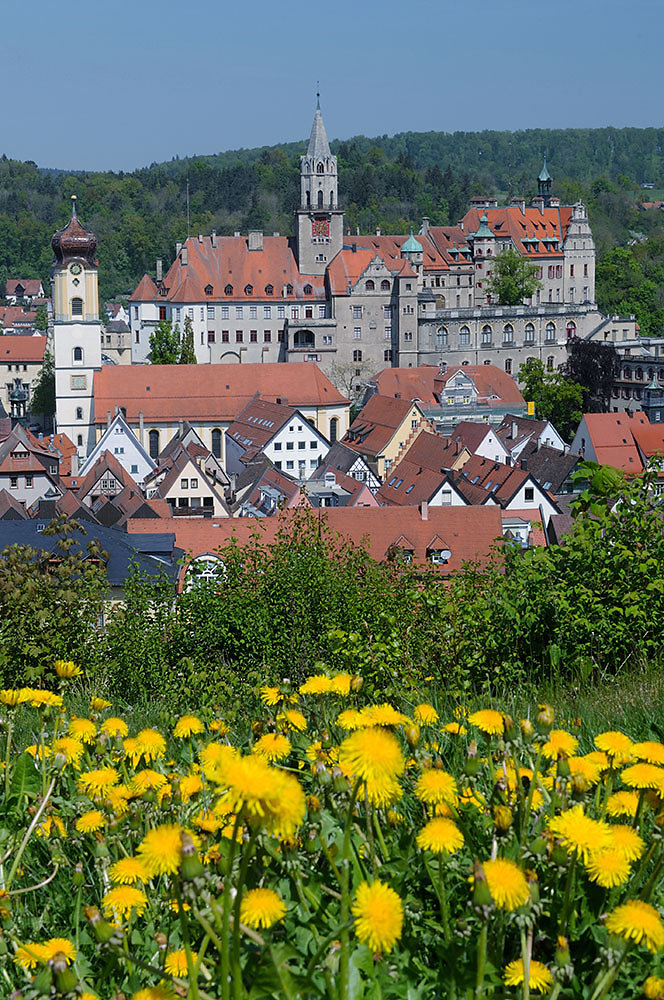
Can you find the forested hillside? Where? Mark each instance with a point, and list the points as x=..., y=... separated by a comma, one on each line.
x=390, y=182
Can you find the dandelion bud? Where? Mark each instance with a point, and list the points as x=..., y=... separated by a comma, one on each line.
x=322, y=773
x=313, y=803
x=562, y=768
x=311, y=843
x=65, y=978
x=481, y=892
x=502, y=817
x=191, y=863
x=544, y=718
x=43, y=981
x=161, y=941
x=101, y=850
x=78, y=878
x=509, y=728
x=472, y=764
x=339, y=783
x=539, y=846
x=356, y=683
x=562, y=956
x=580, y=785
x=533, y=885
x=103, y=930
x=412, y=734
x=527, y=728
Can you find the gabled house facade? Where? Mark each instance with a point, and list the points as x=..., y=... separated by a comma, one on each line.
x=516, y=432
x=186, y=488
x=383, y=431
x=28, y=470
x=122, y=443
x=282, y=433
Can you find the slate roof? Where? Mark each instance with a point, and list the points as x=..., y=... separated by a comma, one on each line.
x=10, y=508
x=549, y=466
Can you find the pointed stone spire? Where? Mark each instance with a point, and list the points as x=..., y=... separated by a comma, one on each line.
x=544, y=173
x=319, y=147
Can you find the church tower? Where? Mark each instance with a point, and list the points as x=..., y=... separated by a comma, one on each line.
x=76, y=331
x=320, y=221
x=544, y=182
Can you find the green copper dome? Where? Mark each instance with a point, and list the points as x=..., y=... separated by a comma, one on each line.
x=483, y=232
x=544, y=173
x=411, y=245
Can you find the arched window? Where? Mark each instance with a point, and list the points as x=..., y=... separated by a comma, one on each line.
x=384, y=285
x=334, y=429
x=308, y=199
x=308, y=289
x=320, y=199
x=331, y=199
x=204, y=571
x=320, y=169
x=441, y=336
x=639, y=374
x=508, y=333
x=549, y=363
x=216, y=442
x=289, y=289
x=651, y=374
x=228, y=290
x=304, y=338
x=153, y=438
x=571, y=329
x=464, y=335
x=529, y=333
x=78, y=354
x=550, y=331
x=508, y=366
x=77, y=307
x=357, y=355
x=369, y=285
x=79, y=440
x=627, y=373
x=487, y=335
x=387, y=355
x=79, y=412
x=248, y=289
x=269, y=289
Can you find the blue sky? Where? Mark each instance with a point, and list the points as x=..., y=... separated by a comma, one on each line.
x=159, y=79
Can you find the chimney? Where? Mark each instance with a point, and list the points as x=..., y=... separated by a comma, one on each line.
x=200, y=237
x=515, y=431
x=424, y=510
x=180, y=427
x=159, y=270
x=178, y=247
x=183, y=256
x=524, y=463
x=74, y=464
x=377, y=232
x=276, y=233
x=539, y=443
x=213, y=239
x=554, y=202
x=255, y=239
x=237, y=233
x=357, y=230
x=538, y=202
x=424, y=229
x=108, y=419
x=140, y=426
x=354, y=248
x=519, y=203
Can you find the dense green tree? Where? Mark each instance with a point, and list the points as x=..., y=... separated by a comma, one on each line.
x=557, y=398
x=41, y=319
x=187, y=349
x=42, y=401
x=164, y=344
x=513, y=279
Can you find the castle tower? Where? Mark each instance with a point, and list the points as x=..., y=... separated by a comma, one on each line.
x=320, y=222
x=76, y=331
x=544, y=182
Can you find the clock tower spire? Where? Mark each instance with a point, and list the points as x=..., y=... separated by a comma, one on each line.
x=320, y=221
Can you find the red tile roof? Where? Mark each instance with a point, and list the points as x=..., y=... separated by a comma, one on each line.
x=468, y=532
x=649, y=439
x=551, y=224
x=376, y=424
x=22, y=349
x=421, y=472
x=207, y=392
x=257, y=424
x=613, y=441
x=231, y=262
x=425, y=383
x=66, y=448
x=145, y=291
x=15, y=316
x=31, y=286
x=388, y=248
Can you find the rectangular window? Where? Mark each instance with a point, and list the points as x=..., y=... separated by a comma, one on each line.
x=289, y=445
x=267, y=337
x=571, y=270
x=357, y=333
x=135, y=312
x=295, y=312
x=313, y=445
x=313, y=463
x=277, y=445
x=529, y=494
x=28, y=482
x=281, y=312
x=210, y=312
x=387, y=312
x=238, y=312
x=162, y=312
x=13, y=482
x=184, y=484
x=252, y=312
x=202, y=313
x=239, y=336
x=224, y=312
x=585, y=270
x=388, y=333
x=190, y=313
x=194, y=483
x=178, y=314
x=321, y=312
x=225, y=336
x=357, y=312
x=79, y=381
x=280, y=336
x=302, y=445
x=277, y=465
x=211, y=337
x=267, y=312
x=289, y=465
x=253, y=336
x=327, y=338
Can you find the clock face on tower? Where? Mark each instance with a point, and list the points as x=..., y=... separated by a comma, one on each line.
x=75, y=268
x=320, y=228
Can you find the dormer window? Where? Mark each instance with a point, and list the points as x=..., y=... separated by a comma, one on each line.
x=228, y=290
x=308, y=289
x=369, y=285
x=208, y=289
x=269, y=290
x=248, y=289
x=289, y=289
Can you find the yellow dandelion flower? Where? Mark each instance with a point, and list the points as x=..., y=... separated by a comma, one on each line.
x=119, y=902
x=560, y=742
x=175, y=963
x=341, y=684
x=151, y=744
x=581, y=767
x=126, y=871
x=83, y=729
x=644, y=776
x=623, y=804
x=39, y=698
x=425, y=714
x=455, y=728
x=315, y=752
x=599, y=758
x=70, y=748
x=67, y=669
x=188, y=725
x=262, y=908
x=580, y=833
x=219, y=726
x=161, y=992
x=161, y=849
x=270, y=797
x=207, y=821
x=272, y=746
x=270, y=696
x=215, y=758
x=90, y=821
x=650, y=751
x=539, y=977
x=383, y=715
x=55, y=946
x=615, y=745
x=99, y=704
x=318, y=684
x=351, y=719
x=507, y=883
x=627, y=840
x=637, y=921
x=146, y=780
x=435, y=786
x=441, y=836
x=29, y=955
x=117, y=799
x=98, y=782
x=374, y=756
x=653, y=988
x=378, y=913
x=114, y=727
x=291, y=718
x=608, y=868
x=10, y=697
x=190, y=784
x=488, y=720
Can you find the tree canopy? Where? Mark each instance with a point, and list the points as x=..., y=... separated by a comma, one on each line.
x=42, y=401
x=513, y=279
x=557, y=398
x=187, y=349
x=165, y=343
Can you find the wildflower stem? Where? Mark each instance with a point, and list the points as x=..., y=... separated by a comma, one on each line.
x=28, y=833
x=531, y=791
x=285, y=984
x=370, y=834
x=344, y=958
x=191, y=966
x=379, y=834
x=639, y=809
x=442, y=896
x=235, y=957
x=10, y=727
x=225, y=914
x=525, y=959
x=564, y=914
x=481, y=959
x=605, y=982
